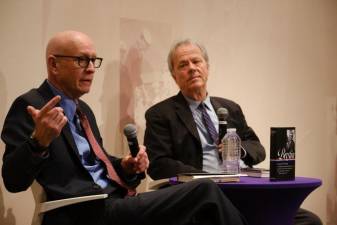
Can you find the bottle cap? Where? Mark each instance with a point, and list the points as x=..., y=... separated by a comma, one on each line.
x=231, y=130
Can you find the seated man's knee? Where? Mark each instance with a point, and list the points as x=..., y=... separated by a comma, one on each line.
x=206, y=184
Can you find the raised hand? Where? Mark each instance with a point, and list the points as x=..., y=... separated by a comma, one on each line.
x=49, y=121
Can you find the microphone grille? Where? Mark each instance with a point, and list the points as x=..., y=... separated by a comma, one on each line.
x=130, y=130
x=222, y=113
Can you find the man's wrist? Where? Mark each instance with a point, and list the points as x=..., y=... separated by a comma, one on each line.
x=35, y=144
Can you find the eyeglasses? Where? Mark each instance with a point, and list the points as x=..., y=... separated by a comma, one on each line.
x=83, y=61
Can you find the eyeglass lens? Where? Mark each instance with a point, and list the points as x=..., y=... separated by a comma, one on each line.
x=84, y=62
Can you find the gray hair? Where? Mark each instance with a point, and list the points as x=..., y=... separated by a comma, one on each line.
x=179, y=43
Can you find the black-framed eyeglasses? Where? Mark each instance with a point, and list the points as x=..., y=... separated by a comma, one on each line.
x=83, y=61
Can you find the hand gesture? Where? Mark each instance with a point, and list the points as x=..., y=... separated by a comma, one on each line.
x=49, y=121
x=138, y=164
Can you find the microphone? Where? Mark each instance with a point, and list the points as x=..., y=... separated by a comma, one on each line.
x=222, y=114
x=130, y=131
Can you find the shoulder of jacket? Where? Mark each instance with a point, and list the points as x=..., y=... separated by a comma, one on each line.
x=223, y=100
x=164, y=104
x=32, y=97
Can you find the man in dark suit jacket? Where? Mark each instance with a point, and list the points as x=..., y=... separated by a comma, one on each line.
x=45, y=142
x=176, y=135
x=173, y=141
x=176, y=139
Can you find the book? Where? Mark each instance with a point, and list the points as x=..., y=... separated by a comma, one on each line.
x=282, y=153
x=157, y=184
x=255, y=172
x=216, y=177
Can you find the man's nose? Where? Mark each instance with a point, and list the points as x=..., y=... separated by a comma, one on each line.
x=90, y=67
x=192, y=66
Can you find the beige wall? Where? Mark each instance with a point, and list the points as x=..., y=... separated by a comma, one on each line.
x=276, y=58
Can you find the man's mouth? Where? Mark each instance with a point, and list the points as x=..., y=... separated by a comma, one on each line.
x=89, y=81
x=194, y=78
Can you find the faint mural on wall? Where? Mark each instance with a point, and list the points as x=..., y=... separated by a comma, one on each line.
x=144, y=77
x=332, y=140
x=131, y=65
x=6, y=215
x=109, y=100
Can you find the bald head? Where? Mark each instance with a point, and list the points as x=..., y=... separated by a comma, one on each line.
x=65, y=42
x=64, y=70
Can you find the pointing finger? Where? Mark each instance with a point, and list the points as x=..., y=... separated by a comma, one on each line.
x=47, y=107
x=32, y=111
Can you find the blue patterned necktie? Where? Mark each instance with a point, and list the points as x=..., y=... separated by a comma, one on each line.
x=208, y=123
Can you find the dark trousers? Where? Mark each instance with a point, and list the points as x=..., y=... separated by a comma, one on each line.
x=198, y=202
x=305, y=217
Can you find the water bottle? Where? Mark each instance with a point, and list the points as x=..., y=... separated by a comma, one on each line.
x=231, y=151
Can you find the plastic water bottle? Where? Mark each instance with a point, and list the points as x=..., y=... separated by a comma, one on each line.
x=231, y=151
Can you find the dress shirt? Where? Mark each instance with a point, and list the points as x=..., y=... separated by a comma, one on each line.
x=210, y=160
x=88, y=159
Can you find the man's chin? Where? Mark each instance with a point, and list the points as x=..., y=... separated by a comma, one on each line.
x=83, y=91
x=197, y=85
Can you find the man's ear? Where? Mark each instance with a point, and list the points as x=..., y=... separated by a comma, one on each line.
x=52, y=64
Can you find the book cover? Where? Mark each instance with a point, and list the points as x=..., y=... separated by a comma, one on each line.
x=157, y=184
x=216, y=177
x=282, y=153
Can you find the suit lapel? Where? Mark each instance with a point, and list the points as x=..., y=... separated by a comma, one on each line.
x=218, y=103
x=70, y=139
x=185, y=114
x=215, y=104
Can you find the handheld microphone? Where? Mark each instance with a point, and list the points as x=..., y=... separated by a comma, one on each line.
x=222, y=114
x=130, y=131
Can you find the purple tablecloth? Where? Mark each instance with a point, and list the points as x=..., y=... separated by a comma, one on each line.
x=256, y=182
x=265, y=202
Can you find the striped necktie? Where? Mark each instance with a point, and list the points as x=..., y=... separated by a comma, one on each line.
x=208, y=123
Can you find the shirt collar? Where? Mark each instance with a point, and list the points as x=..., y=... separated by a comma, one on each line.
x=194, y=104
x=68, y=104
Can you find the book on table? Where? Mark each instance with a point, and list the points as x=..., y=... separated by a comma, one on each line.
x=255, y=172
x=216, y=177
x=157, y=184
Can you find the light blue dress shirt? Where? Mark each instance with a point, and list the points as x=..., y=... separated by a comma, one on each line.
x=94, y=166
x=210, y=158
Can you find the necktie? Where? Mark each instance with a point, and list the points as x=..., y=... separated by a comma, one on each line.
x=100, y=154
x=208, y=123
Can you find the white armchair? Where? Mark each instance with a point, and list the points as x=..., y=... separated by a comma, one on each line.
x=41, y=205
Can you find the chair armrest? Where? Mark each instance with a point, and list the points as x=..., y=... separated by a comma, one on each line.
x=47, y=206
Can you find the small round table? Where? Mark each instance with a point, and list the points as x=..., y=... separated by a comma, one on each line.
x=265, y=202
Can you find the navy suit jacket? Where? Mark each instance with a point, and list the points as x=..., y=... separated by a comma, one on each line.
x=173, y=142
x=61, y=173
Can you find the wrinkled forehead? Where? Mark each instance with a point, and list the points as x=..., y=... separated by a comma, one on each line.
x=187, y=51
x=82, y=47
